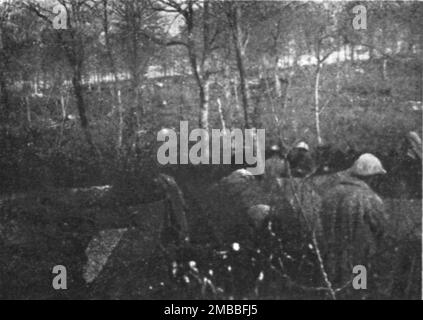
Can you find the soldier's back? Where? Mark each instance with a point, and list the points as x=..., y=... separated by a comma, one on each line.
x=353, y=221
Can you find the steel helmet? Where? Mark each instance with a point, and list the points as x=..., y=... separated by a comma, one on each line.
x=367, y=165
x=302, y=145
x=275, y=147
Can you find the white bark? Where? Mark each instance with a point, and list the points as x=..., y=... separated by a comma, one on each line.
x=222, y=118
x=121, y=123
x=316, y=104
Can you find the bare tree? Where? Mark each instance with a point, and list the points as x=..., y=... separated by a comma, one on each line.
x=135, y=20
x=320, y=33
x=240, y=42
x=112, y=64
x=197, y=20
x=72, y=42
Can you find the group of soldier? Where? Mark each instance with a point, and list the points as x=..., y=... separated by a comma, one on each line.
x=347, y=217
x=339, y=209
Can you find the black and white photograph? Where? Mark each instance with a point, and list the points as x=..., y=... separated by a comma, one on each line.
x=232, y=151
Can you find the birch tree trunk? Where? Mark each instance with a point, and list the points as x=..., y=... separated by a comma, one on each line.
x=278, y=85
x=316, y=104
x=204, y=105
x=240, y=54
x=221, y=116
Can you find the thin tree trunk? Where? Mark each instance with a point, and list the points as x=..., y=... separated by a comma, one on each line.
x=278, y=85
x=338, y=68
x=385, y=69
x=237, y=107
x=136, y=108
x=228, y=98
x=136, y=111
x=286, y=97
x=316, y=104
x=62, y=125
x=36, y=83
x=26, y=92
x=63, y=106
x=421, y=81
x=4, y=95
x=116, y=91
x=202, y=84
x=239, y=54
x=28, y=111
x=221, y=116
x=204, y=105
x=371, y=35
x=135, y=72
x=198, y=71
x=80, y=104
x=121, y=122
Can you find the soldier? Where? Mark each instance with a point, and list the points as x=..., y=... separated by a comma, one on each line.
x=274, y=151
x=275, y=166
x=353, y=220
x=331, y=159
x=405, y=170
x=300, y=160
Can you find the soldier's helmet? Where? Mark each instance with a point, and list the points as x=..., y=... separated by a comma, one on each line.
x=367, y=165
x=302, y=145
x=275, y=148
